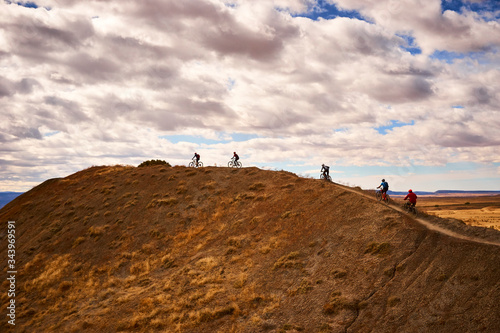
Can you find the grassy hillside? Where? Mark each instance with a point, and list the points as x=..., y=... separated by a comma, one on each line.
x=172, y=249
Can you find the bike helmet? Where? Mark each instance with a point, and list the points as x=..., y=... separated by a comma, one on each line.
x=322, y=165
x=234, y=152
x=383, y=180
x=410, y=191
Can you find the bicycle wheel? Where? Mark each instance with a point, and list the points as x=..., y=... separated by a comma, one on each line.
x=238, y=164
x=322, y=176
x=378, y=195
x=230, y=164
x=200, y=164
x=414, y=211
x=329, y=178
x=191, y=164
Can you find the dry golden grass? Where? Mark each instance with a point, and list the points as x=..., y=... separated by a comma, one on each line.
x=215, y=250
x=482, y=211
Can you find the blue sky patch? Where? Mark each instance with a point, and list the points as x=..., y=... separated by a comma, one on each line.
x=449, y=57
x=27, y=4
x=478, y=7
x=51, y=133
x=394, y=123
x=410, y=46
x=329, y=11
x=230, y=84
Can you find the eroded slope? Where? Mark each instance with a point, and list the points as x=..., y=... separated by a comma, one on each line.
x=214, y=249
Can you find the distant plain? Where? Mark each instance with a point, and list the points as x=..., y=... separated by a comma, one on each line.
x=482, y=211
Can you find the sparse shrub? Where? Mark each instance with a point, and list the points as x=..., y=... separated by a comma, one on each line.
x=139, y=268
x=337, y=303
x=257, y=187
x=181, y=189
x=261, y=197
x=155, y=233
x=130, y=203
x=234, y=242
x=162, y=202
x=207, y=263
x=467, y=203
x=206, y=315
x=324, y=328
x=65, y=285
x=96, y=231
x=286, y=214
x=210, y=185
x=167, y=261
x=78, y=241
x=378, y=248
x=390, y=271
x=393, y=301
x=244, y=196
x=153, y=162
x=304, y=287
x=442, y=277
x=401, y=267
x=288, y=261
x=255, y=220
x=339, y=273
x=126, y=195
x=240, y=280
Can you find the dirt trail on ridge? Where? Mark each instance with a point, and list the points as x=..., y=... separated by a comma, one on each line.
x=426, y=223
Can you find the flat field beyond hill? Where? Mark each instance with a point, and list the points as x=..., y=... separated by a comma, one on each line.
x=482, y=211
x=173, y=249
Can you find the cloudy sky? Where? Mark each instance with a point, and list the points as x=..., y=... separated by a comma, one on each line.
x=407, y=90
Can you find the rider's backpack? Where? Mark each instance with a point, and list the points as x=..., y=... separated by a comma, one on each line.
x=385, y=186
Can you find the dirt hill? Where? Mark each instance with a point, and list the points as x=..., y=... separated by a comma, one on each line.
x=172, y=249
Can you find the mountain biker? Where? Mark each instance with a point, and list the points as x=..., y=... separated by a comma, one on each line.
x=196, y=158
x=235, y=156
x=384, y=187
x=412, y=198
x=326, y=170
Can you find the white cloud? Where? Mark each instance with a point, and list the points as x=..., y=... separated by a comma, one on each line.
x=110, y=78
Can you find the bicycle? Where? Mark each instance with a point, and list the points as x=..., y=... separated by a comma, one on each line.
x=323, y=176
x=234, y=164
x=193, y=164
x=409, y=208
x=378, y=195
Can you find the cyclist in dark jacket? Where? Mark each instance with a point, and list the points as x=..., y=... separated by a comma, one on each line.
x=235, y=156
x=326, y=170
x=384, y=187
x=196, y=158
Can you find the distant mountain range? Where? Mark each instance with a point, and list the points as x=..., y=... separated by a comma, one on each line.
x=6, y=197
x=447, y=193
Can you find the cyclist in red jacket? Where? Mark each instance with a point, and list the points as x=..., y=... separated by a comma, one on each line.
x=412, y=198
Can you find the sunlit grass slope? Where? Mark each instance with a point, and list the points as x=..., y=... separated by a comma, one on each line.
x=172, y=249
